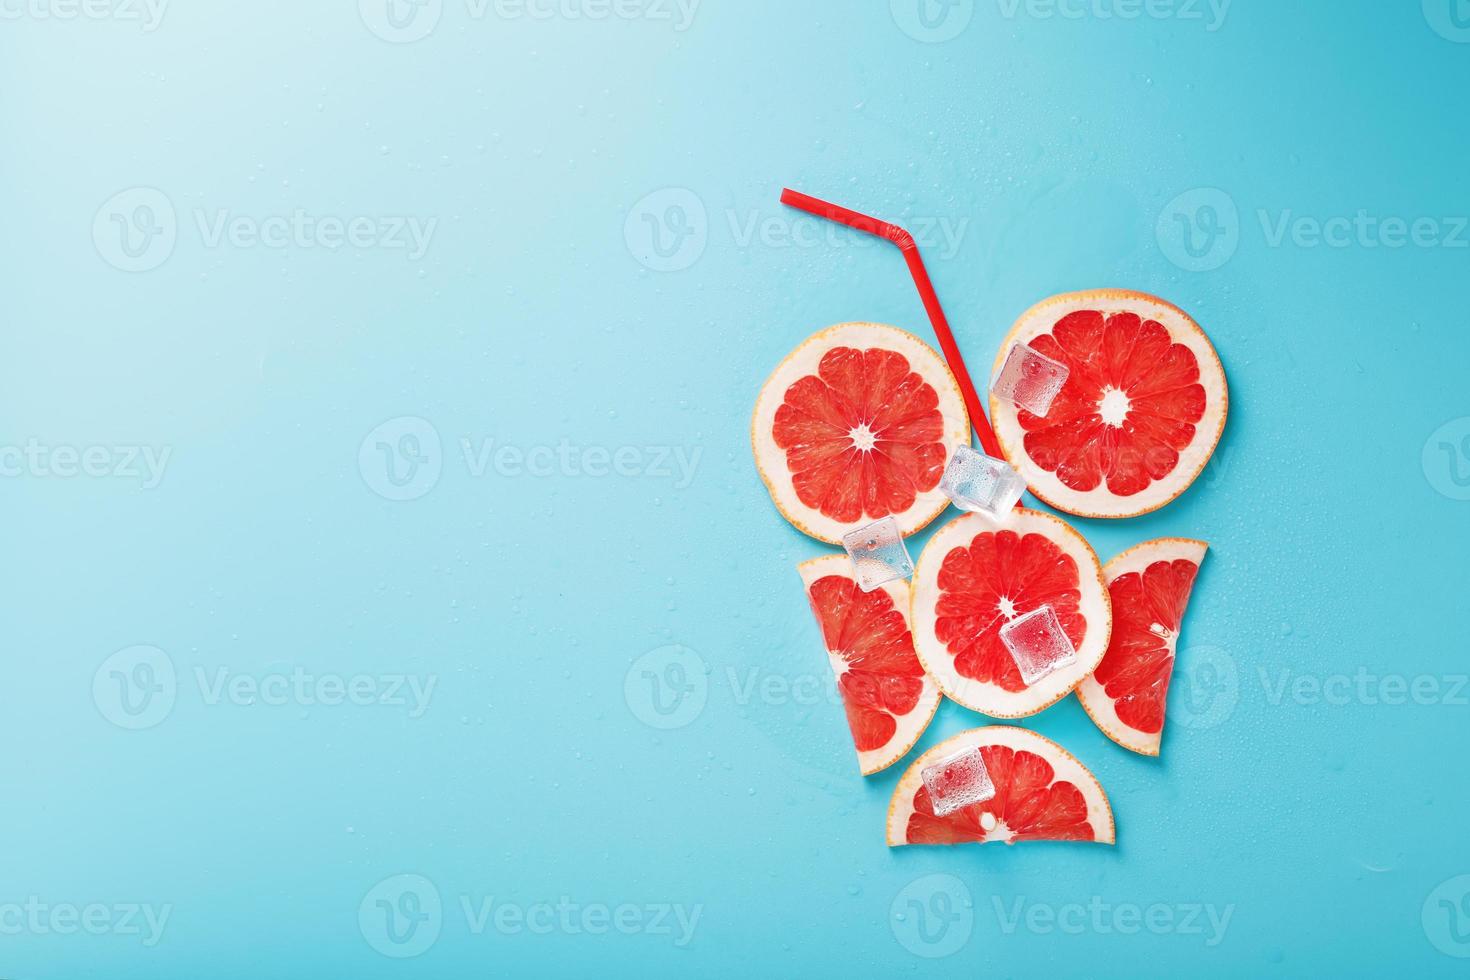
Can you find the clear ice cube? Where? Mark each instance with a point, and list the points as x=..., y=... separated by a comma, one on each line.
x=981, y=484
x=1038, y=644
x=1030, y=379
x=878, y=554
x=958, y=781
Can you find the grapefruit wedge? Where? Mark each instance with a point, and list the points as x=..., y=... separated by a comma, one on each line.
x=888, y=697
x=974, y=576
x=1041, y=793
x=1149, y=586
x=1140, y=413
x=855, y=425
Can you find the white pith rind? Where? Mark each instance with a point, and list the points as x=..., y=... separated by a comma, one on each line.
x=1101, y=502
x=910, y=726
x=1095, y=701
x=770, y=459
x=1064, y=766
x=985, y=697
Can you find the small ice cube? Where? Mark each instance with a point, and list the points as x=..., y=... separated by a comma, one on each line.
x=958, y=781
x=977, y=482
x=1030, y=379
x=878, y=554
x=1038, y=644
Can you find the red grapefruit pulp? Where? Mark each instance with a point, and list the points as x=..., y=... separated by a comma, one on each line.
x=973, y=577
x=1041, y=793
x=1150, y=587
x=888, y=697
x=1140, y=413
x=855, y=425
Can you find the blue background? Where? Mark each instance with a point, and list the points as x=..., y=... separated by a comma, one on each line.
x=1067, y=147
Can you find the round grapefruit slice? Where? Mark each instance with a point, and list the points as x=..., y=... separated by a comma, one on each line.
x=974, y=576
x=1041, y=793
x=855, y=425
x=1150, y=586
x=888, y=697
x=1140, y=413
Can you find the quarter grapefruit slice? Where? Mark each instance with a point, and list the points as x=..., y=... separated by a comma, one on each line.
x=974, y=576
x=1139, y=415
x=888, y=697
x=855, y=425
x=1150, y=586
x=1041, y=793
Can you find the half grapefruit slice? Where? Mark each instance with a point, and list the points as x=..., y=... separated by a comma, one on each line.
x=973, y=577
x=1140, y=413
x=888, y=697
x=1041, y=793
x=855, y=425
x=1150, y=586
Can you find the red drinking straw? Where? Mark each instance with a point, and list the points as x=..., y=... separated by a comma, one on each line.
x=910, y=249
